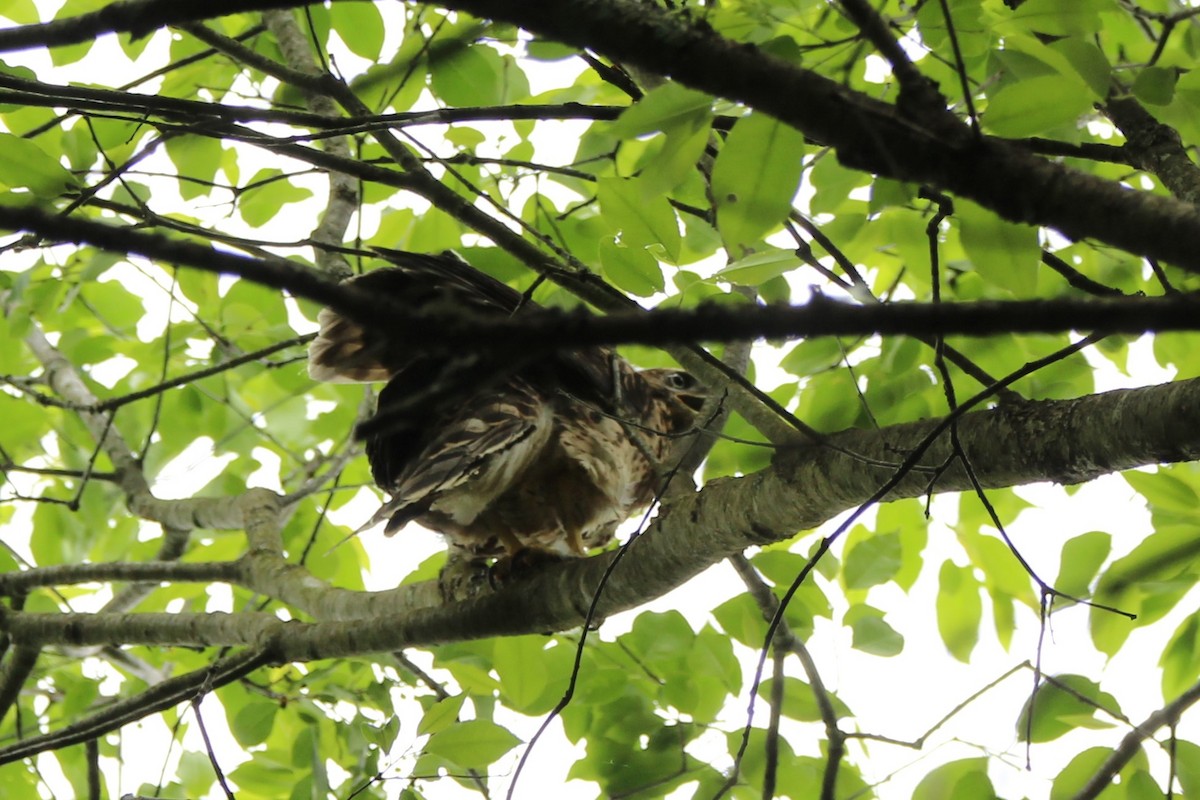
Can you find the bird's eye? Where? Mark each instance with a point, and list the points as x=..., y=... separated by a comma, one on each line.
x=679, y=380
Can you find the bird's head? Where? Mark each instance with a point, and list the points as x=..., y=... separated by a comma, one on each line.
x=681, y=390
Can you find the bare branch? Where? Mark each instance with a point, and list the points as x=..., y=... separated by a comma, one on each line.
x=1131, y=744
x=156, y=698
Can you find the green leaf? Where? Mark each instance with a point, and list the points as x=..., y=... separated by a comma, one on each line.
x=813, y=355
x=1082, y=556
x=1155, y=85
x=360, y=26
x=755, y=178
x=442, y=714
x=1147, y=582
x=971, y=28
x=1088, y=61
x=742, y=620
x=959, y=610
x=966, y=779
x=1037, y=106
x=871, y=561
x=195, y=772
x=1059, y=17
x=545, y=50
x=266, y=195
x=22, y=12
x=472, y=744
x=906, y=519
x=642, y=221
x=631, y=269
x=1058, y=711
x=197, y=157
x=1164, y=490
x=24, y=165
x=263, y=777
x=674, y=162
x=832, y=184
x=477, y=76
x=1187, y=768
x=799, y=700
x=886, y=192
x=73, y=52
x=823, y=404
x=699, y=695
x=119, y=308
x=1004, y=253
x=756, y=268
x=1001, y=569
x=663, y=108
x=469, y=77
x=872, y=634
x=1078, y=772
x=521, y=664
x=1180, y=660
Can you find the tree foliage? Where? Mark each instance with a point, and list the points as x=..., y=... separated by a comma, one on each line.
x=972, y=209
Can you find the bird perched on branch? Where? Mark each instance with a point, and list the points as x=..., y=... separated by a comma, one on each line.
x=543, y=459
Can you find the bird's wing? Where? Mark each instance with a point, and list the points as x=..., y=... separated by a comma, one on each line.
x=488, y=445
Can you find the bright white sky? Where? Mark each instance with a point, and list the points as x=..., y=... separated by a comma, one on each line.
x=898, y=697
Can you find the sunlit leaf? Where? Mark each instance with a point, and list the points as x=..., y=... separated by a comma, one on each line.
x=1061, y=706
x=442, y=714
x=632, y=269
x=958, y=780
x=1036, y=106
x=872, y=633
x=1060, y=17
x=871, y=561
x=642, y=221
x=252, y=723
x=755, y=178
x=663, y=108
x=24, y=165
x=1180, y=661
x=959, y=609
x=521, y=664
x=360, y=26
x=266, y=196
x=756, y=268
x=1004, y=253
x=473, y=743
x=1082, y=556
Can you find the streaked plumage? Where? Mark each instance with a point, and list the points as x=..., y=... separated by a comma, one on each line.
x=538, y=461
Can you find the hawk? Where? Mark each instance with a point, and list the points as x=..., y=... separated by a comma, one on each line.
x=543, y=463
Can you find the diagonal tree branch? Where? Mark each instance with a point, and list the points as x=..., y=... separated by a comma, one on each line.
x=1131, y=744
x=550, y=329
x=1066, y=441
x=866, y=133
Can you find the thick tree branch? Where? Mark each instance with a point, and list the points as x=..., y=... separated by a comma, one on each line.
x=1064, y=441
x=67, y=574
x=136, y=17
x=866, y=134
x=344, y=195
x=1154, y=147
x=25, y=91
x=157, y=698
x=1067, y=441
x=556, y=329
x=18, y=665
